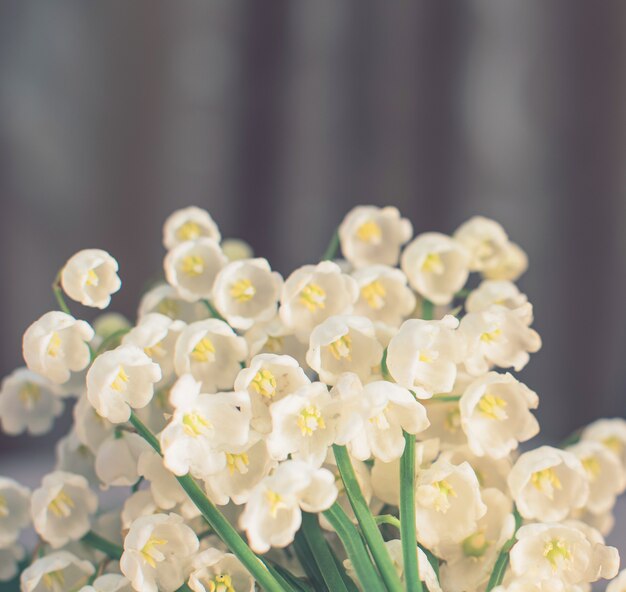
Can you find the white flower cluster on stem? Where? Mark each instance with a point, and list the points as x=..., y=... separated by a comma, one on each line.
x=355, y=425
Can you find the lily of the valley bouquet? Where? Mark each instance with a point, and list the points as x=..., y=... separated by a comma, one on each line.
x=352, y=427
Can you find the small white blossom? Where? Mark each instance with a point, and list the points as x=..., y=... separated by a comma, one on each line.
x=370, y=235
x=156, y=335
x=91, y=428
x=490, y=472
x=500, y=292
x=246, y=292
x=211, y=352
x=268, y=379
x=304, y=424
x=188, y=224
x=165, y=489
x=10, y=557
x=14, y=510
x=484, y=240
x=495, y=414
x=426, y=354
x=510, y=264
x=498, y=336
x=120, y=379
x=27, y=403
x=215, y=571
x=384, y=295
x=75, y=457
x=548, y=483
x=157, y=553
x=448, y=503
x=562, y=552
x=117, y=457
x=236, y=249
x=56, y=572
x=140, y=503
x=56, y=345
x=90, y=277
x=611, y=433
x=437, y=266
x=191, y=267
x=313, y=293
x=202, y=428
x=344, y=344
x=274, y=337
x=273, y=513
x=164, y=299
x=109, y=583
x=62, y=508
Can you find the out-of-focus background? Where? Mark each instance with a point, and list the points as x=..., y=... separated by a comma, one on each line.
x=278, y=117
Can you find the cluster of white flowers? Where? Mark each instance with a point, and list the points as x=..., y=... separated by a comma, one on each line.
x=354, y=425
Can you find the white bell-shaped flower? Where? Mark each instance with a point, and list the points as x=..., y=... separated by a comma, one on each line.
x=90, y=277
x=426, y=354
x=72, y=456
x=117, y=458
x=140, y=503
x=56, y=572
x=237, y=249
x=548, y=483
x=498, y=336
x=216, y=571
x=611, y=433
x=120, y=379
x=500, y=292
x=164, y=299
x=313, y=293
x=562, y=552
x=165, y=489
x=371, y=235
x=304, y=425
x=91, y=428
x=384, y=296
x=495, y=414
x=188, y=224
x=437, y=266
x=267, y=379
x=510, y=263
x=109, y=583
x=490, y=472
x=274, y=337
x=27, y=403
x=158, y=551
x=202, y=428
x=273, y=514
x=14, y=510
x=156, y=335
x=484, y=240
x=191, y=267
x=62, y=508
x=341, y=344
x=607, y=478
x=211, y=352
x=10, y=558
x=448, y=503
x=247, y=292
x=56, y=345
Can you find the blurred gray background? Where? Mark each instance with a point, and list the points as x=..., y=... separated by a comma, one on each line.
x=278, y=117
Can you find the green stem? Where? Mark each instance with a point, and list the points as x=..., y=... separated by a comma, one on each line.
x=216, y=520
x=355, y=549
x=321, y=553
x=428, y=310
x=213, y=311
x=101, y=544
x=499, y=569
x=58, y=294
x=114, y=338
x=443, y=399
x=305, y=557
x=332, y=249
x=368, y=525
x=407, y=515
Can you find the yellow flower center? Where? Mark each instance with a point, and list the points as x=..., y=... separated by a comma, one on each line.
x=452, y=421
x=275, y=501
x=369, y=232
x=309, y=420
x=444, y=491
x=475, y=545
x=155, y=351
x=491, y=336
x=492, y=407
x=54, y=581
x=192, y=265
x=433, y=264
x=168, y=307
x=341, y=348
x=614, y=444
x=30, y=394
x=150, y=551
x=374, y=294
x=195, y=425
x=188, y=231
x=428, y=356
x=274, y=344
x=54, y=345
x=592, y=466
x=242, y=290
x=556, y=551
x=92, y=278
x=313, y=297
x=221, y=583
x=264, y=383
x=4, y=507
x=239, y=462
x=61, y=506
x=120, y=381
x=546, y=481
x=204, y=351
